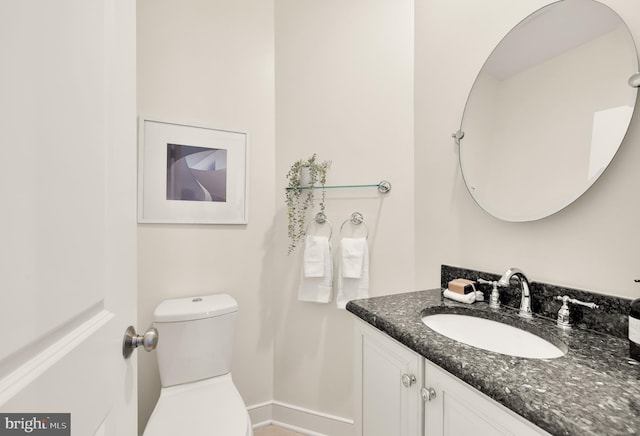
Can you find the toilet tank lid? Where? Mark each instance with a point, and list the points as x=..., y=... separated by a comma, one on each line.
x=193, y=308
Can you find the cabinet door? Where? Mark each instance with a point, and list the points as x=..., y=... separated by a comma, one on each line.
x=388, y=381
x=458, y=409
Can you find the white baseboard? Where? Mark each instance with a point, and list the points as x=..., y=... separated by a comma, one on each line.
x=260, y=414
x=299, y=419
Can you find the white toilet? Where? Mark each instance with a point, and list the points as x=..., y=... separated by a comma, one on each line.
x=198, y=397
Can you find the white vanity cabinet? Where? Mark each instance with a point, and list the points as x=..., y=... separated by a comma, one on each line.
x=388, y=378
x=458, y=409
x=400, y=393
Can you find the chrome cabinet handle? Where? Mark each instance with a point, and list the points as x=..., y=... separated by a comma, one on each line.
x=427, y=394
x=408, y=380
x=132, y=340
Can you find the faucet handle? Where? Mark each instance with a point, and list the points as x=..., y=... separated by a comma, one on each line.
x=494, y=299
x=566, y=298
x=563, y=314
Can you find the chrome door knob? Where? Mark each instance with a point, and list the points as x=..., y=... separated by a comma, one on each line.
x=408, y=380
x=427, y=394
x=132, y=340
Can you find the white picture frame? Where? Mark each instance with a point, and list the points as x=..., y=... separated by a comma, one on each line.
x=191, y=174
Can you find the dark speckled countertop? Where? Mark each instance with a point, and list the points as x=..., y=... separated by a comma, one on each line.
x=592, y=390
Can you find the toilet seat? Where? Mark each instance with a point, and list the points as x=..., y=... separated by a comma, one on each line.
x=208, y=407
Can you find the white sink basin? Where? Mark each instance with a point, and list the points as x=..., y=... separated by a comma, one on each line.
x=492, y=336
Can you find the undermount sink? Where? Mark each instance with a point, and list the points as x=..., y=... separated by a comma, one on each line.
x=492, y=336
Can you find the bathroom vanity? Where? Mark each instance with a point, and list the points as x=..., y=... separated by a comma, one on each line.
x=402, y=393
x=411, y=380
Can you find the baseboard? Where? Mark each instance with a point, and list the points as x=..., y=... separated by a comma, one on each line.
x=260, y=414
x=299, y=419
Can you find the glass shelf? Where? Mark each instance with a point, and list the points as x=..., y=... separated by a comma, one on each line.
x=383, y=187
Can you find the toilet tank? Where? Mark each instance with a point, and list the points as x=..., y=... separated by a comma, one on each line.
x=195, y=337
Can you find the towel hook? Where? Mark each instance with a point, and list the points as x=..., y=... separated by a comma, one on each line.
x=356, y=219
x=320, y=219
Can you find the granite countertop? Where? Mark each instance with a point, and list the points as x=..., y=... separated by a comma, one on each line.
x=592, y=390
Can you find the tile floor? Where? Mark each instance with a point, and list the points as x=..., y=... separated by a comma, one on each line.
x=272, y=430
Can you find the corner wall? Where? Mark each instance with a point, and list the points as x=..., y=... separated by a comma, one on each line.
x=591, y=245
x=344, y=90
x=211, y=62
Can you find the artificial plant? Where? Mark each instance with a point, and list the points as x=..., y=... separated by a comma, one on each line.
x=303, y=176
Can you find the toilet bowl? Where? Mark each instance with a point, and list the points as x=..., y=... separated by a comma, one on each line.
x=209, y=407
x=198, y=396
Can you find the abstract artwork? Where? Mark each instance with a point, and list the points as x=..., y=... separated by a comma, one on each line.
x=196, y=173
x=191, y=174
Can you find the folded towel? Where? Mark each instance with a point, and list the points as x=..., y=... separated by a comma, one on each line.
x=315, y=248
x=317, y=289
x=462, y=298
x=352, y=288
x=352, y=250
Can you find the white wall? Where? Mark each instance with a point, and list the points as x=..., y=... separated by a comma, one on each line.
x=592, y=244
x=210, y=62
x=344, y=90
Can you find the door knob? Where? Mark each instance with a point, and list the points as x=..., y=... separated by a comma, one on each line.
x=427, y=394
x=408, y=380
x=132, y=340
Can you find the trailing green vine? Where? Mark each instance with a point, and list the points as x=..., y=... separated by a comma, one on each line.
x=300, y=201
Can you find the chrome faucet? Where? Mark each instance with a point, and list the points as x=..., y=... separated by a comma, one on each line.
x=525, y=301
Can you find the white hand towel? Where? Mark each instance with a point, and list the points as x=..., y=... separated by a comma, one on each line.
x=350, y=288
x=315, y=248
x=462, y=298
x=352, y=250
x=317, y=289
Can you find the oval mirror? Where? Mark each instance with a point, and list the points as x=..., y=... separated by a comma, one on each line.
x=548, y=110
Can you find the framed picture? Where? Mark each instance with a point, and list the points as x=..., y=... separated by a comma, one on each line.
x=191, y=174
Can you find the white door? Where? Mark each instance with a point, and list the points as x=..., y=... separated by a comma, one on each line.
x=388, y=377
x=67, y=214
x=459, y=409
